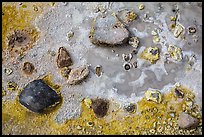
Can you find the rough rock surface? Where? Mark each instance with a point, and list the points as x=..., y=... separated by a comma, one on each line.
x=38, y=96
x=28, y=68
x=108, y=30
x=187, y=121
x=63, y=58
x=100, y=107
x=78, y=74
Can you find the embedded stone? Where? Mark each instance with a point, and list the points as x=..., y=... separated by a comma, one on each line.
x=187, y=121
x=78, y=74
x=28, y=68
x=100, y=107
x=37, y=96
x=108, y=30
x=63, y=58
x=153, y=95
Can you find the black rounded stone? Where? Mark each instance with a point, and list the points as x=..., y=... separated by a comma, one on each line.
x=37, y=96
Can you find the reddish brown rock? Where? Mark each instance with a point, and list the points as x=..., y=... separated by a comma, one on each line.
x=28, y=68
x=100, y=107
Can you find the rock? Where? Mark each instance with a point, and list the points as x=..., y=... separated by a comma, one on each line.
x=100, y=107
x=98, y=70
x=63, y=58
x=78, y=74
x=130, y=108
x=28, y=68
x=37, y=96
x=153, y=95
x=8, y=71
x=178, y=93
x=141, y=6
x=178, y=30
x=105, y=27
x=187, y=121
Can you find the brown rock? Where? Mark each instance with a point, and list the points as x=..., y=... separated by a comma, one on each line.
x=187, y=121
x=78, y=74
x=100, y=107
x=28, y=68
x=63, y=58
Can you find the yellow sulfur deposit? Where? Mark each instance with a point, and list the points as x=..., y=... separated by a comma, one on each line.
x=151, y=54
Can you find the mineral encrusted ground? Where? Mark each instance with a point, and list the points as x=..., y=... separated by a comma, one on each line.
x=52, y=25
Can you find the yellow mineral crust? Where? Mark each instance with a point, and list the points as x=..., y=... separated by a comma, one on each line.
x=175, y=52
x=150, y=118
x=151, y=54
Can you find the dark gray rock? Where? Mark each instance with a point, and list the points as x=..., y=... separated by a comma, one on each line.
x=37, y=96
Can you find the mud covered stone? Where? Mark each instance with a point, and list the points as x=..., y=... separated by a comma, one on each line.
x=18, y=38
x=37, y=96
x=78, y=74
x=153, y=95
x=187, y=121
x=63, y=58
x=108, y=30
x=100, y=107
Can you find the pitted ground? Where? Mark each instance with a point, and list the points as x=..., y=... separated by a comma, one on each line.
x=115, y=83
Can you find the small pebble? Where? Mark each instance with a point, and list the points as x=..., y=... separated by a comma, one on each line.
x=98, y=70
x=141, y=6
x=70, y=34
x=172, y=114
x=35, y=8
x=8, y=71
x=28, y=68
